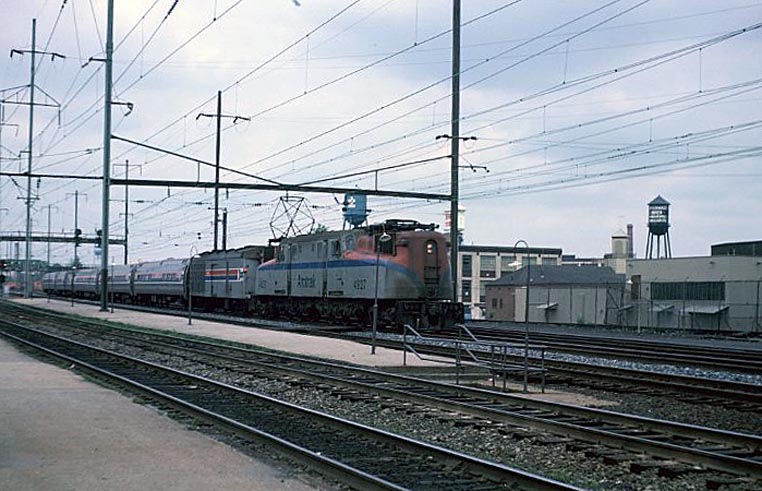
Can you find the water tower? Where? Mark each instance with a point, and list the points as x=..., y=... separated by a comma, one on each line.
x=658, y=228
x=355, y=209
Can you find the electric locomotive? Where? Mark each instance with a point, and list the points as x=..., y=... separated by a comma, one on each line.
x=400, y=265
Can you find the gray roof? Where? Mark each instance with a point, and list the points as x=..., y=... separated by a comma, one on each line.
x=565, y=274
x=547, y=251
x=659, y=201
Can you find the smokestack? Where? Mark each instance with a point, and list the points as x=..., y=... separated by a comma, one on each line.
x=630, y=253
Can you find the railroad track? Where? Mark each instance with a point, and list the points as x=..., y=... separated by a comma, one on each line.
x=697, y=390
x=645, y=351
x=176, y=311
x=725, y=359
x=359, y=455
x=612, y=436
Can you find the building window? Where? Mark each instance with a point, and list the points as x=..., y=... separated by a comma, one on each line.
x=466, y=291
x=494, y=303
x=507, y=263
x=635, y=289
x=501, y=302
x=482, y=292
x=688, y=290
x=528, y=260
x=466, y=266
x=549, y=261
x=487, y=266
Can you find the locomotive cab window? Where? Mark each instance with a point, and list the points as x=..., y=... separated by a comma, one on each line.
x=385, y=246
x=336, y=248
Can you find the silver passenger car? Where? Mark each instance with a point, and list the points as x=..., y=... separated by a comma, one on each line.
x=160, y=282
x=86, y=283
x=120, y=281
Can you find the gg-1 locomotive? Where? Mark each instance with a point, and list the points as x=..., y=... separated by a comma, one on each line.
x=333, y=276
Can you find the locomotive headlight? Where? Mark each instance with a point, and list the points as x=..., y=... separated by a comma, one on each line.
x=429, y=248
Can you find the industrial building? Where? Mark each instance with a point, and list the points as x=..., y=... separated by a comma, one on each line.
x=481, y=265
x=558, y=294
x=717, y=292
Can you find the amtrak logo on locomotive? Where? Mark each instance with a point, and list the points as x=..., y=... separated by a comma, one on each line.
x=305, y=281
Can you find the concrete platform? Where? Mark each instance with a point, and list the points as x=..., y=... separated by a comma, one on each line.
x=300, y=344
x=59, y=432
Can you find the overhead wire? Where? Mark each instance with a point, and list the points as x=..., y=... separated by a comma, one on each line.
x=256, y=69
x=359, y=70
x=463, y=71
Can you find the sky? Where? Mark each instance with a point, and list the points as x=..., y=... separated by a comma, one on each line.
x=582, y=113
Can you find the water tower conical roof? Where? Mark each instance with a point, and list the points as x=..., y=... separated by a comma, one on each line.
x=659, y=201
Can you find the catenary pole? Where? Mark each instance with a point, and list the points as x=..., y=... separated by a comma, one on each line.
x=106, y=155
x=217, y=170
x=49, y=209
x=126, y=209
x=126, y=213
x=455, y=147
x=28, y=253
x=76, y=226
x=219, y=117
x=224, y=229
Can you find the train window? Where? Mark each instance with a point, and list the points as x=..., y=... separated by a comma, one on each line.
x=385, y=247
x=336, y=248
x=349, y=243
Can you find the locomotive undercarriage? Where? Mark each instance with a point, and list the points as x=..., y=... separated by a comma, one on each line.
x=424, y=314
x=339, y=310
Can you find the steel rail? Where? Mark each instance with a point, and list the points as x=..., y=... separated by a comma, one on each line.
x=458, y=466
x=670, y=383
x=646, y=351
x=720, y=389
x=639, y=434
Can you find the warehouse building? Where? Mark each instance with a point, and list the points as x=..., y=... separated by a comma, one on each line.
x=481, y=265
x=718, y=292
x=558, y=294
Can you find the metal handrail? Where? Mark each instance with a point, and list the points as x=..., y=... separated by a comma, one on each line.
x=498, y=354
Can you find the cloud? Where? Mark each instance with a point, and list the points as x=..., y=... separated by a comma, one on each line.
x=710, y=204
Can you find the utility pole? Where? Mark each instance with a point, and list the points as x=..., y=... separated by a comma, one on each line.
x=224, y=229
x=77, y=231
x=49, y=210
x=126, y=213
x=455, y=147
x=106, y=155
x=33, y=52
x=219, y=117
x=217, y=167
x=28, y=253
x=3, y=123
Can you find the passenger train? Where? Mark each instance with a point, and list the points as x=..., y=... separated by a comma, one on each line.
x=333, y=276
